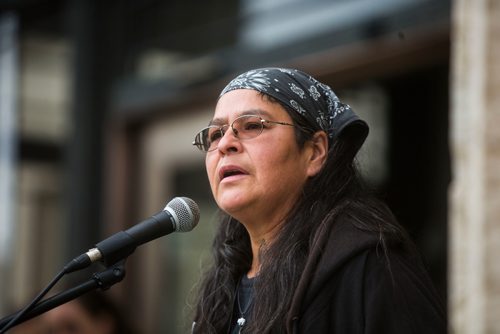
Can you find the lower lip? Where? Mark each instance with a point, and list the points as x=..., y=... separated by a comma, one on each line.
x=232, y=178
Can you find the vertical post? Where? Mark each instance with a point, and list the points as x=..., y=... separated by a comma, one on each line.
x=475, y=193
x=8, y=145
x=96, y=30
x=83, y=150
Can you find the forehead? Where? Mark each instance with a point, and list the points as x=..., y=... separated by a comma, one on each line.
x=247, y=101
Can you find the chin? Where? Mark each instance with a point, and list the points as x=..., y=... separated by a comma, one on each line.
x=232, y=205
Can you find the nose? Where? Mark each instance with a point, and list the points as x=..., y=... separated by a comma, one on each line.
x=229, y=141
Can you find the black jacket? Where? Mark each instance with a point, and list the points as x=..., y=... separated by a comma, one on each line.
x=350, y=285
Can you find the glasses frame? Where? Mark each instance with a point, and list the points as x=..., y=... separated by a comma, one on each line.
x=223, y=129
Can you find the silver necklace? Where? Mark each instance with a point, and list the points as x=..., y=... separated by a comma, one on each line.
x=241, y=320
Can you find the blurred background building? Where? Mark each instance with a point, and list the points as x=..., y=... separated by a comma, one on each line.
x=99, y=102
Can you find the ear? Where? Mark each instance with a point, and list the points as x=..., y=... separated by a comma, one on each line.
x=318, y=148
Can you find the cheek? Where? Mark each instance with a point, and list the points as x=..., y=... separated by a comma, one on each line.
x=210, y=166
x=278, y=164
x=294, y=162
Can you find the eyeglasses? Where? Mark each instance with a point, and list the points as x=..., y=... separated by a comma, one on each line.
x=244, y=127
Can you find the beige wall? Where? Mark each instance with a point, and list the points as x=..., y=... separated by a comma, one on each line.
x=474, y=271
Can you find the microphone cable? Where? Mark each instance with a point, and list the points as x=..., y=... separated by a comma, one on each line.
x=19, y=314
x=182, y=212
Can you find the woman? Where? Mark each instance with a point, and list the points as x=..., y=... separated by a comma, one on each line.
x=302, y=247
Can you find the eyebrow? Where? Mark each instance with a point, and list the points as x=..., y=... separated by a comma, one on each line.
x=259, y=112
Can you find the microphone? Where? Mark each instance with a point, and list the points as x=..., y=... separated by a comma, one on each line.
x=181, y=214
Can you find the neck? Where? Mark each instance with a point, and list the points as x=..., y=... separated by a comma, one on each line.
x=262, y=229
x=255, y=267
x=260, y=240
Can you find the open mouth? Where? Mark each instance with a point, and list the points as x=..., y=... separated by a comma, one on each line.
x=230, y=171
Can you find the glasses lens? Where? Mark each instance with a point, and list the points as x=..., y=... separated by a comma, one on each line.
x=247, y=126
x=207, y=139
x=214, y=134
x=199, y=140
x=244, y=127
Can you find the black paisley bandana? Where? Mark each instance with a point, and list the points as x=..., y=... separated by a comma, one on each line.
x=315, y=101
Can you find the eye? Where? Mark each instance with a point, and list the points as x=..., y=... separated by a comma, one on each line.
x=214, y=134
x=249, y=126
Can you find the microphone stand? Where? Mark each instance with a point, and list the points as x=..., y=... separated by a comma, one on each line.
x=102, y=280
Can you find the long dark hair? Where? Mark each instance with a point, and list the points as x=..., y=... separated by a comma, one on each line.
x=338, y=188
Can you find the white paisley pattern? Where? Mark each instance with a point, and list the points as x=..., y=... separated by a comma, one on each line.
x=317, y=102
x=254, y=79
x=297, y=90
x=313, y=91
x=297, y=107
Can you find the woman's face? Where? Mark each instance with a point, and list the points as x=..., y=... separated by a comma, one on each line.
x=260, y=178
